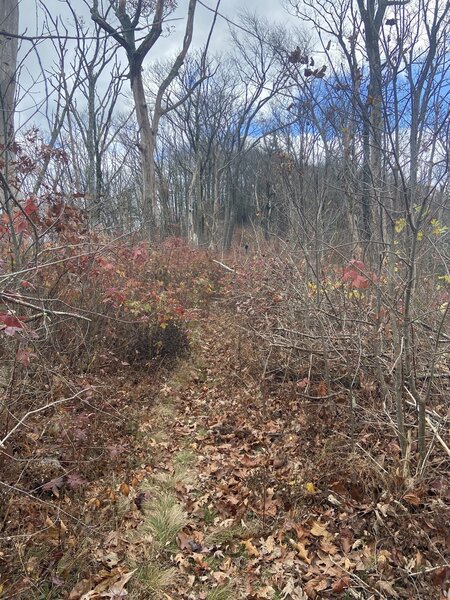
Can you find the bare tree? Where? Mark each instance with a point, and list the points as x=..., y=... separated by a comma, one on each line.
x=132, y=17
x=393, y=74
x=9, y=23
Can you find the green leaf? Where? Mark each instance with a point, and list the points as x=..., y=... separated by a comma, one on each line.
x=400, y=225
x=437, y=227
x=445, y=278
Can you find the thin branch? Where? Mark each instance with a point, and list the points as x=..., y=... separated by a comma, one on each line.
x=36, y=38
x=224, y=266
x=42, y=311
x=38, y=410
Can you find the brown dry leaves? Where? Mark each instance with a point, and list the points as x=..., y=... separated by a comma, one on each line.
x=276, y=509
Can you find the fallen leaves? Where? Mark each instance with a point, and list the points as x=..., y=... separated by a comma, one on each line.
x=124, y=489
x=275, y=512
x=341, y=584
x=310, y=488
x=387, y=587
x=279, y=461
x=412, y=498
x=250, y=548
x=316, y=585
x=319, y=530
x=107, y=585
x=302, y=551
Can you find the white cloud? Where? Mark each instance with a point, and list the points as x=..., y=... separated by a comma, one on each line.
x=32, y=89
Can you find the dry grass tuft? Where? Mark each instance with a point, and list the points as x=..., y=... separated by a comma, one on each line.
x=164, y=518
x=152, y=580
x=221, y=593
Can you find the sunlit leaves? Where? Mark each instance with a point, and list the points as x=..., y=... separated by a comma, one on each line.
x=437, y=228
x=400, y=225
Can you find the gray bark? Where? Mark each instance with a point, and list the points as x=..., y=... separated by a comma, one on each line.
x=148, y=126
x=9, y=22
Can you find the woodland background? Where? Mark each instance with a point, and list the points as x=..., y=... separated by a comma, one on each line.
x=232, y=262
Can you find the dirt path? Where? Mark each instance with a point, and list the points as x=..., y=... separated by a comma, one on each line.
x=274, y=506
x=205, y=483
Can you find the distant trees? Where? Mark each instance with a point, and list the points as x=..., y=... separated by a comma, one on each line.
x=195, y=138
x=221, y=123
x=92, y=111
x=260, y=135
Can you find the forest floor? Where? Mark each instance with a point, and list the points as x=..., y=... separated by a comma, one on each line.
x=199, y=482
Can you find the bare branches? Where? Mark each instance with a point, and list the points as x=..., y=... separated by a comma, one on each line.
x=154, y=34
x=109, y=29
x=37, y=38
x=27, y=415
x=41, y=311
x=176, y=65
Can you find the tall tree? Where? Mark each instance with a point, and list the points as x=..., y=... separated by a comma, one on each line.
x=132, y=16
x=9, y=24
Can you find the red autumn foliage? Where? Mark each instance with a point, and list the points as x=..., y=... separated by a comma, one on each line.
x=357, y=275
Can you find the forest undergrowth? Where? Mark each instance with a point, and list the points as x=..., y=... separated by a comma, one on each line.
x=211, y=450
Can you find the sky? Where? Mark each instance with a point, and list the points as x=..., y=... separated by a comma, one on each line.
x=273, y=10
x=43, y=58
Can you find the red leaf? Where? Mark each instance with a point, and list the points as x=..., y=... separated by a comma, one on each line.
x=11, y=320
x=12, y=324
x=341, y=584
x=355, y=274
x=358, y=264
x=24, y=356
x=21, y=226
x=30, y=207
x=74, y=481
x=360, y=282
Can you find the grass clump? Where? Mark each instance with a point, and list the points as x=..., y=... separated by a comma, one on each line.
x=181, y=475
x=225, y=534
x=153, y=580
x=185, y=458
x=221, y=593
x=164, y=518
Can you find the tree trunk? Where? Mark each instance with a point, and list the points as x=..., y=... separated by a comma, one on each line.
x=147, y=147
x=372, y=16
x=366, y=226
x=229, y=224
x=9, y=21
